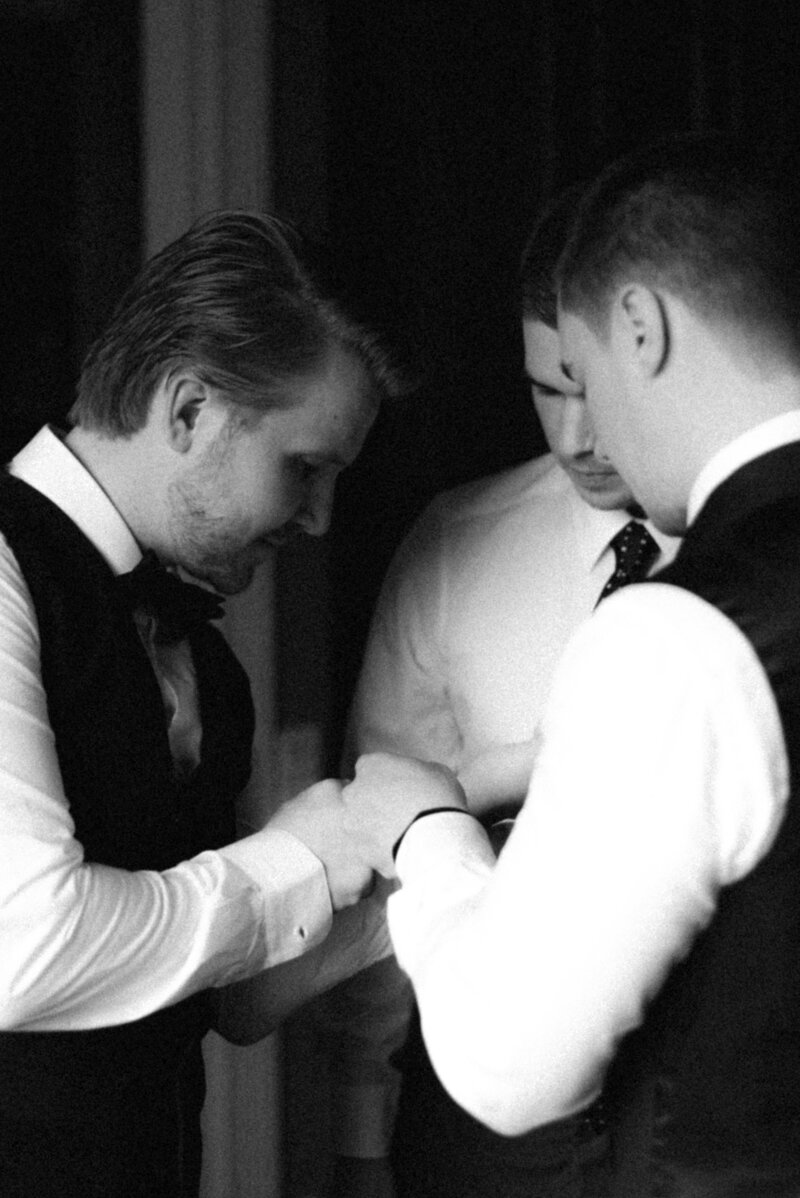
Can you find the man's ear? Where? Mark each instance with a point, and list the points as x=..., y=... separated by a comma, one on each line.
x=184, y=397
x=643, y=322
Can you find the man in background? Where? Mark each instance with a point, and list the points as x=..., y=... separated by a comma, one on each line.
x=474, y=615
x=213, y=416
x=639, y=929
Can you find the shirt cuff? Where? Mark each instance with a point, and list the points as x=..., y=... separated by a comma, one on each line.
x=424, y=815
x=430, y=841
x=363, y=1118
x=291, y=879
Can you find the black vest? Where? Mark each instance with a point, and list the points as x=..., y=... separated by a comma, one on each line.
x=102, y=1112
x=709, y=1087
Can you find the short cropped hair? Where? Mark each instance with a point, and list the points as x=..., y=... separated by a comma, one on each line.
x=704, y=217
x=231, y=301
x=541, y=254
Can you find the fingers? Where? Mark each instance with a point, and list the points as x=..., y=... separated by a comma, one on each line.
x=353, y=828
x=350, y=887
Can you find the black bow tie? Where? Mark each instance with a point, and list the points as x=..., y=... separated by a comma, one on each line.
x=178, y=607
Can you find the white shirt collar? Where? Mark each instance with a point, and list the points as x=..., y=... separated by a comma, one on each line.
x=596, y=528
x=771, y=434
x=49, y=466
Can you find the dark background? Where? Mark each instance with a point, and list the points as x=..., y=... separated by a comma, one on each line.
x=70, y=228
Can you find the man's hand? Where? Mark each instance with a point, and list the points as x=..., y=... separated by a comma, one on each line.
x=387, y=794
x=316, y=816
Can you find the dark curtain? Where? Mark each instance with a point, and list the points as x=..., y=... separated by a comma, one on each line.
x=69, y=194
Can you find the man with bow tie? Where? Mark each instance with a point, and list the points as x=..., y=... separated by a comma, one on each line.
x=476, y=610
x=212, y=419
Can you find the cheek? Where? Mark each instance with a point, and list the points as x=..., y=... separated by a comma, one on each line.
x=605, y=439
x=280, y=496
x=602, y=402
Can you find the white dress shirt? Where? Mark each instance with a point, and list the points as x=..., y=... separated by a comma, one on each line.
x=662, y=776
x=86, y=945
x=477, y=608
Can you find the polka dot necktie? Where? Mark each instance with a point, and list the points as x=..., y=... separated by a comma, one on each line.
x=635, y=551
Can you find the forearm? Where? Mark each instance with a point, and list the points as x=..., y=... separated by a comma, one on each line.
x=248, y=1010
x=477, y=981
x=88, y=946
x=84, y=945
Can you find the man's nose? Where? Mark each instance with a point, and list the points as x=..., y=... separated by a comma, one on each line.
x=576, y=433
x=314, y=516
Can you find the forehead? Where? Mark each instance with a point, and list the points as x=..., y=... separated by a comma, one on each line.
x=577, y=344
x=543, y=355
x=332, y=412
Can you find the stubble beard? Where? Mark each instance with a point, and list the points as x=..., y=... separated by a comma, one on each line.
x=211, y=549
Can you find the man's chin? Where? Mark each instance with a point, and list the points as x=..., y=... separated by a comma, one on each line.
x=612, y=501
x=227, y=579
x=607, y=495
x=234, y=575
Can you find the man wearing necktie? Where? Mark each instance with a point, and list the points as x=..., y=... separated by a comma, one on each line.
x=639, y=931
x=476, y=610
x=213, y=417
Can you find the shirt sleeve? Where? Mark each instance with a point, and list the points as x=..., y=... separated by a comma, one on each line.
x=662, y=776
x=401, y=703
x=85, y=945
